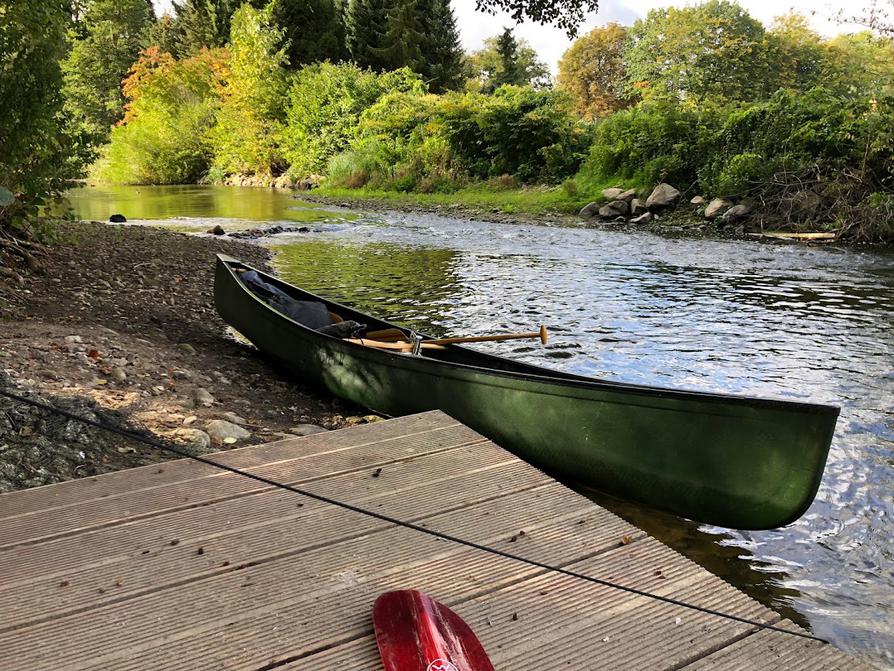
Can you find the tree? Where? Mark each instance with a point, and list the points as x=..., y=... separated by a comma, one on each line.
x=442, y=67
x=202, y=24
x=113, y=34
x=418, y=34
x=365, y=22
x=400, y=43
x=798, y=54
x=878, y=16
x=505, y=60
x=714, y=50
x=566, y=14
x=594, y=74
x=313, y=29
x=861, y=65
x=37, y=155
x=252, y=96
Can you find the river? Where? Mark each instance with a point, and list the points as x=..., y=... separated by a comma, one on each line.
x=779, y=321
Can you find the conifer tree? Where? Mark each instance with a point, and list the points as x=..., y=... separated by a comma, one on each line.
x=313, y=29
x=365, y=23
x=507, y=50
x=442, y=68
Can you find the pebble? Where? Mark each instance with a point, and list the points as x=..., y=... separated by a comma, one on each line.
x=73, y=339
x=222, y=431
x=180, y=374
x=189, y=420
x=369, y=419
x=306, y=429
x=203, y=397
x=186, y=347
x=233, y=417
x=118, y=375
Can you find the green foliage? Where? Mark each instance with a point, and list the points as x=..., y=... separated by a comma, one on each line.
x=714, y=50
x=165, y=137
x=593, y=72
x=114, y=32
x=324, y=106
x=37, y=155
x=434, y=143
x=647, y=144
x=811, y=157
x=202, y=24
x=252, y=97
x=505, y=60
x=313, y=30
x=860, y=65
x=417, y=34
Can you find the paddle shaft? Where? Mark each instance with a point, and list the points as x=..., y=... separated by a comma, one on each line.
x=440, y=342
x=542, y=334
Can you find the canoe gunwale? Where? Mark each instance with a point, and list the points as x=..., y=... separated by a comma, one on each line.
x=572, y=382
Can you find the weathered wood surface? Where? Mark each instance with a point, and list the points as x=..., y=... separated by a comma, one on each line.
x=182, y=566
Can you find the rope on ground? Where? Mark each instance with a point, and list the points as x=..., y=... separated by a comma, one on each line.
x=407, y=525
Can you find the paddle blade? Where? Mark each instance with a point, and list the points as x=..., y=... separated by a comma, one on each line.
x=416, y=633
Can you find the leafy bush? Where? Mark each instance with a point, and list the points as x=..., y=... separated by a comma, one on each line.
x=324, y=107
x=519, y=131
x=252, y=97
x=37, y=152
x=165, y=135
x=647, y=144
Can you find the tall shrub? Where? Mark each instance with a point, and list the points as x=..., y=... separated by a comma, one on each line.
x=37, y=152
x=324, y=106
x=252, y=97
x=164, y=138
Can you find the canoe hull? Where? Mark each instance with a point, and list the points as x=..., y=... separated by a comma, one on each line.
x=723, y=460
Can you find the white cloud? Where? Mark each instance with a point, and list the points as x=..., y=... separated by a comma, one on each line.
x=551, y=42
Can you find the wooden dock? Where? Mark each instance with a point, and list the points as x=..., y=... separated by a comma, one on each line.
x=183, y=566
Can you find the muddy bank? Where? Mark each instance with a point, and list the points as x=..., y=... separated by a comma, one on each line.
x=118, y=322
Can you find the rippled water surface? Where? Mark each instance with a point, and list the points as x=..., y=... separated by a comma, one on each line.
x=783, y=321
x=778, y=321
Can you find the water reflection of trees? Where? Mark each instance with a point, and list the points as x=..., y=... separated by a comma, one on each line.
x=410, y=285
x=165, y=202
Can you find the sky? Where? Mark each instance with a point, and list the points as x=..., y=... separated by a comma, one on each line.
x=550, y=43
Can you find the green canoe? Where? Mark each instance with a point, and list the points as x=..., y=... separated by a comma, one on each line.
x=732, y=461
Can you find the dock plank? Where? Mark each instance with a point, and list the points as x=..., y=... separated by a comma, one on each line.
x=120, y=572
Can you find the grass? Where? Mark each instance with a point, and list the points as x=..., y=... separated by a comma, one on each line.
x=524, y=200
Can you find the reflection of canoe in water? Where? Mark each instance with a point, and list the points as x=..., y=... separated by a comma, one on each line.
x=732, y=461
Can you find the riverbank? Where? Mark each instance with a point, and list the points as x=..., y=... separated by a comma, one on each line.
x=118, y=323
x=538, y=205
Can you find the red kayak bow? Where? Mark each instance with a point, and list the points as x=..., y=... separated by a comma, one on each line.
x=416, y=633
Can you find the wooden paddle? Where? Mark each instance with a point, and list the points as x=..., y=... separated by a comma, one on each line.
x=440, y=342
x=416, y=633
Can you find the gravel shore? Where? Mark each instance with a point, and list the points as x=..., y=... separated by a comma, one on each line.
x=118, y=323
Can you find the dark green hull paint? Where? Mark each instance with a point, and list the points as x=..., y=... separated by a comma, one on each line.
x=726, y=460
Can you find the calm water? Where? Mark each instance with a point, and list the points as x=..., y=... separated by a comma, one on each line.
x=780, y=321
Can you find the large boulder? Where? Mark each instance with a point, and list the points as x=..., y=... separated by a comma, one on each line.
x=612, y=194
x=697, y=200
x=736, y=212
x=627, y=196
x=662, y=195
x=589, y=210
x=636, y=207
x=644, y=218
x=616, y=208
x=222, y=431
x=716, y=207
